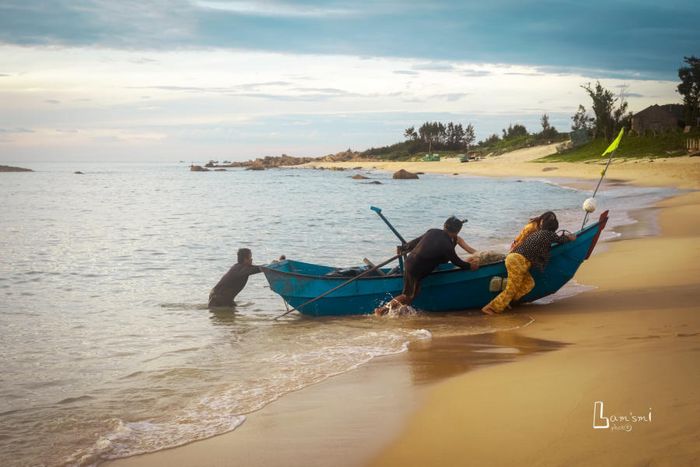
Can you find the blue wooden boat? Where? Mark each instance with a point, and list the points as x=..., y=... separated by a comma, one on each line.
x=448, y=288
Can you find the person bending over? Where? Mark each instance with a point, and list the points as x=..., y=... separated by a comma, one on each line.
x=231, y=284
x=431, y=249
x=533, y=225
x=532, y=251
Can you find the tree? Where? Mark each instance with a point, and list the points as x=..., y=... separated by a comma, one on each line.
x=581, y=120
x=610, y=111
x=469, y=135
x=490, y=140
x=689, y=88
x=514, y=131
x=410, y=134
x=548, y=131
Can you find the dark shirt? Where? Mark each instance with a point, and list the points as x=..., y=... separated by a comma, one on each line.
x=536, y=247
x=430, y=250
x=231, y=284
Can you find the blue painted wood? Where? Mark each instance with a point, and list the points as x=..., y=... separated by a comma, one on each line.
x=448, y=288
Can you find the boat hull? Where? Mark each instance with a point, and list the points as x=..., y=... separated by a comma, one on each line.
x=446, y=289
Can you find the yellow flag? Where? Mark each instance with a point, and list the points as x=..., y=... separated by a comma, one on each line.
x=614, y=144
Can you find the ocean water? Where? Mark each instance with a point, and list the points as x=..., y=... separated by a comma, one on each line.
x=107, y=348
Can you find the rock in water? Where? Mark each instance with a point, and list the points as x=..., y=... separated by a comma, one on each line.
x=198, y=168
x=405, y=175
x=78, y=172
x=8, y=168
x=359, y=177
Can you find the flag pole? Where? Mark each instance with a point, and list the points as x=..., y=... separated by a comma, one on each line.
x=611, y=149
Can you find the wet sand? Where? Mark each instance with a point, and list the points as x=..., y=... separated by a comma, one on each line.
x=348, y=419
x=632, y=343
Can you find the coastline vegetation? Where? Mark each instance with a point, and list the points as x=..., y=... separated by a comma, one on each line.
x=668, y=144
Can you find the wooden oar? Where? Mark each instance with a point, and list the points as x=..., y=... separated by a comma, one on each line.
x=393, y=258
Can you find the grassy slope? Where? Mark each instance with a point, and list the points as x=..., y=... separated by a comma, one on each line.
x=663, y=145
x=402, y=151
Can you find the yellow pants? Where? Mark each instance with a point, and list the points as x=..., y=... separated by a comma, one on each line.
x=520, y=282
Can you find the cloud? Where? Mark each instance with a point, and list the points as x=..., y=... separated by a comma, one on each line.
x=450, y=97
x=15, y=130
x=433, y=66
x=273, y=9
x=475, y=73
x=530, y=73
x=649, y=44
x=143, y=60
x=406, y=72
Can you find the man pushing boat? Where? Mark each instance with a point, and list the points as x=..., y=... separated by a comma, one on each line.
x=426, y=252
x=230, y=285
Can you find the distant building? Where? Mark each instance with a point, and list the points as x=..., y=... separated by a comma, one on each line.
x=658, y=118
x=579, y=137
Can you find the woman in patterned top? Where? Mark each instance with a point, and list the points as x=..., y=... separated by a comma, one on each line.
x=532, y=251
x=533, y=226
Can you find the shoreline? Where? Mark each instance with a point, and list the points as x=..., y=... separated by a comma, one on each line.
x=407, y=409
x=678, y=172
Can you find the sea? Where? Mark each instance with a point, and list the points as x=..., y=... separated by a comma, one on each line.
x=107, y=347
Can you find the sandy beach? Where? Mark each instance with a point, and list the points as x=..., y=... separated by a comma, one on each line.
x=679, y=172
x=632, y=343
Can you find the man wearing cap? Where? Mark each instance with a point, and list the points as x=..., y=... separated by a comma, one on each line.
x=431, y=249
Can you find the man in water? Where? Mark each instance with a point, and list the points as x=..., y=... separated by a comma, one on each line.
x=431, y=249
x=225, y=291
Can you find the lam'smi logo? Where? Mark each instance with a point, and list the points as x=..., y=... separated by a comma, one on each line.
x=615, y=422
x=599, y=421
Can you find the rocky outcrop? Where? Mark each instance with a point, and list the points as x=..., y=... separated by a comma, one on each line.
x=345, y=156
x=289, y=161
x=269, y=162
x=198, y=168
x=359, y=177
x=9, y=168
x=78, y=172
x=405, y=175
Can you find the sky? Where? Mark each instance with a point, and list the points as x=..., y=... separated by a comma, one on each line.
x=193, y=80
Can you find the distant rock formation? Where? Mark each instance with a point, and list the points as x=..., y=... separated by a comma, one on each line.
x=359, y=177
x=8, y=168
x=78, y=172
x=405, y=175
x=373, y=182
x=198, y=168
x=284, y=160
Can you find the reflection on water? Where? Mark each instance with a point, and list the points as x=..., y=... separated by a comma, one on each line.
x=453, y=355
